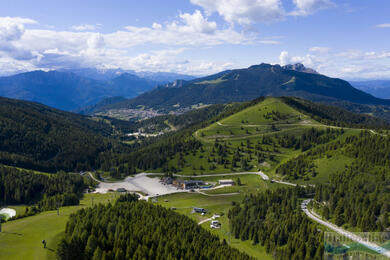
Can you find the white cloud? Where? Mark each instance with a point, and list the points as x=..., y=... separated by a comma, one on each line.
x=350, y=63
x=11, y=31
x=285, y=59
x=307, y=7
x=12, y=28
x=196, y=23
x=25, y=48
x=85, y=27
x=244, y=12
x=383, y=25
x=190, y=29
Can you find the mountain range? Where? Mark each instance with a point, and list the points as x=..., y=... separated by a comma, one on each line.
x=377, y=88
x=69, y=91
x=72, y=89
x=108, y=74
x=248, y=83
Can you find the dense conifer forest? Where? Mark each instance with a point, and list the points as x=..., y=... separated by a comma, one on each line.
x=357, y=198
x=332, y=115
x=132, y=229
x=275, y=220
x=47, y=192
x=33, y=136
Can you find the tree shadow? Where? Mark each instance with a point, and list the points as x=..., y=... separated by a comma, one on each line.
x=50, y=249
x=12, y=233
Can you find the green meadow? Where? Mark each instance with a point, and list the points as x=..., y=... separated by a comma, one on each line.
x=22, y=238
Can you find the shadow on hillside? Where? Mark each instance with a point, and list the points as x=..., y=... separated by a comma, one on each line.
x=12, y=233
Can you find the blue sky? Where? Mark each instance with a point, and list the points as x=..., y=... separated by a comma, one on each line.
x=345, y=38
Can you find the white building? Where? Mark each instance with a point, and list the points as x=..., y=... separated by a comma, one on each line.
x=226, y=182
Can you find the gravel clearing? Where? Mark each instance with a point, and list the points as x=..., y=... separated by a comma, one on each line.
x=151, y=186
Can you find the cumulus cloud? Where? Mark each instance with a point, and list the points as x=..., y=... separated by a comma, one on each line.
x=383, y=25
x=27, y=48
x=196, y=23
x=190, y=29
x=285, y=59
x=11, y=31
x=244, y=12
x=307, y=7
x=349, y=64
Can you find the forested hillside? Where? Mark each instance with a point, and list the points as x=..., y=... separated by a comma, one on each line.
x=332, y=115
x=357, y=198
x=133, y=229
x=245, y=136
x=275, y=220
x=34, y=136
x=245, y=84
x=40, y=191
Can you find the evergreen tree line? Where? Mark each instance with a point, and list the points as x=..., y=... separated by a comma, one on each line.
x=33, y=136
x=275, y=220
x=331, y=115
x=366, y=149
x=357, y=198
x=139, y=230
x=25, y=187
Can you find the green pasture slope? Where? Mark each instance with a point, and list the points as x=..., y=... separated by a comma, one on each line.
x=261, y=124
x=22, y=238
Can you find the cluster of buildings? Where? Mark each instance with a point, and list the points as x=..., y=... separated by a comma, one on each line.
x=185, y=184
x=192, y=184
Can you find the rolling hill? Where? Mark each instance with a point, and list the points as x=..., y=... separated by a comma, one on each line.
x=257, y=135
x=68, y=91
x=247, y=84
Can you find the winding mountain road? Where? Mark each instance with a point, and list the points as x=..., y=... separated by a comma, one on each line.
x=343, y=232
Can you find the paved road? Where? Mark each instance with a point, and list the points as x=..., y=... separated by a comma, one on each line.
x=343, y=232
x=218, y=195
x=260, y=173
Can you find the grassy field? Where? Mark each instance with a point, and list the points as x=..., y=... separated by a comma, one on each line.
x=253, y=131
x=184, y=202
x=22, y=238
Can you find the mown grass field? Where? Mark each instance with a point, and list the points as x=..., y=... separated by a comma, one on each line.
x=22, y=238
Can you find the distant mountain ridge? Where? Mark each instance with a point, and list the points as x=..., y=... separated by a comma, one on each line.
x=249, y=83
x=377, y=88
x=69, y=91
x=108, y=74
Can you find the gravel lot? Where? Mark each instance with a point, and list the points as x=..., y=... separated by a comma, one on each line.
x=151, y=186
